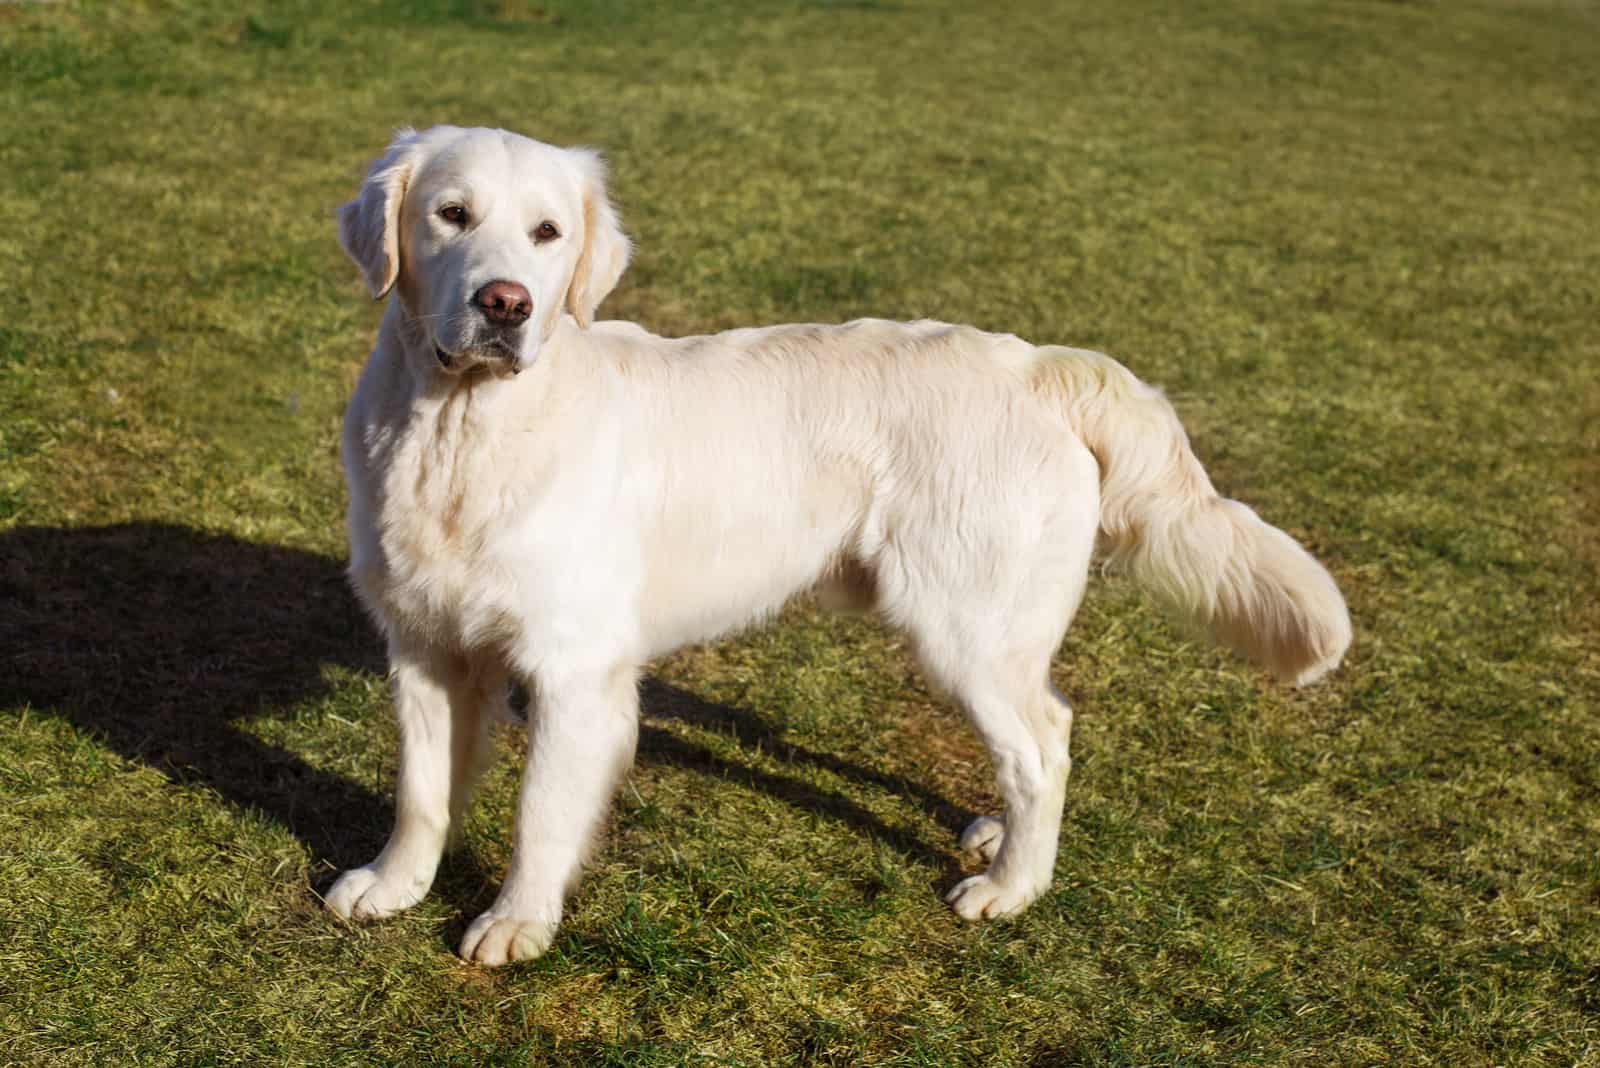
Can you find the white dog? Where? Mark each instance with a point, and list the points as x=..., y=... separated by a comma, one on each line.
x=539, y=497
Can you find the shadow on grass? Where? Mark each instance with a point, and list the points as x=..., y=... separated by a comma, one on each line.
x=159, y=640
x=662, y=701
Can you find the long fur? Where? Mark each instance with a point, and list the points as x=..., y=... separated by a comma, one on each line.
x=1211, y=559
x=561, y=502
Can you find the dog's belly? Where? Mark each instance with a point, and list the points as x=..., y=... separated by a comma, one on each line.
x=724, y=562
x=685, y=604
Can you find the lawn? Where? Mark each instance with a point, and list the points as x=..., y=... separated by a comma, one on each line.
x=1358, y=243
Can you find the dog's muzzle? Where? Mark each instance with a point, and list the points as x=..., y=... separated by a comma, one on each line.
x=496, y=354
x=504, y=308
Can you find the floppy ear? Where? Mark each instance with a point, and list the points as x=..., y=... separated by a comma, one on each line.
x=605, y=246
x=369, y=226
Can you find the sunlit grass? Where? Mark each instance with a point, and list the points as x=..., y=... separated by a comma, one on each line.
x=1355, y=242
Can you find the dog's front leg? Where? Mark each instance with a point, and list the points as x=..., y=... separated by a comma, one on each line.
x=582, y=730
x=442, y=733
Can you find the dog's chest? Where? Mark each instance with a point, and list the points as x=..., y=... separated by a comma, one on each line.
x=443, y=504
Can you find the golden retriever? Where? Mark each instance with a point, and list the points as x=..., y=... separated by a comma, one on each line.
x=538, y=497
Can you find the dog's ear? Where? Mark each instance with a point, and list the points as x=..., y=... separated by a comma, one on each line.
x=369, y=225
x=605, y=246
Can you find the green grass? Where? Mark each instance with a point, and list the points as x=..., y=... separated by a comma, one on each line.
x=1357, y=244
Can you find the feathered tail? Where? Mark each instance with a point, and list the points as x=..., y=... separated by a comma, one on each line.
x=1250, y=584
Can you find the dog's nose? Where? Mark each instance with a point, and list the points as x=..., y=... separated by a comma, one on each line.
x=506, y=303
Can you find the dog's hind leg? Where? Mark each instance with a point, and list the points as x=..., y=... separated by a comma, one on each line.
x=999, y=676
x=1026, y=728
x=443, y=721
x=986, y=620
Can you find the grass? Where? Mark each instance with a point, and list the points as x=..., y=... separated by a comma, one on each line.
x=1356, y=242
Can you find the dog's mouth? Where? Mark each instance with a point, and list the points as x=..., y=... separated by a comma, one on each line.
x=495, y=355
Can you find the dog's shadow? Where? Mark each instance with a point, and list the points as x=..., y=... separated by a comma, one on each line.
x=159, y=640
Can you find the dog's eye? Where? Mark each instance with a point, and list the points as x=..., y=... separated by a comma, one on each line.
x=454, y=213
x=546, y=231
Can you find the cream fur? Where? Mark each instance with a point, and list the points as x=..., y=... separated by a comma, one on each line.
x=562, y=506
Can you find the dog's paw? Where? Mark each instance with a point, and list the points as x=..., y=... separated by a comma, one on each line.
x=494, y=939
x=984, y=898
x=983, y=836
x=363, y=894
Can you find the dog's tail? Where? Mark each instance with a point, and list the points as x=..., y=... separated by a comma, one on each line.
x=1250, y=584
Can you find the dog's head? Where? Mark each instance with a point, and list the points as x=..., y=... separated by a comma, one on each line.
x=487, y=237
